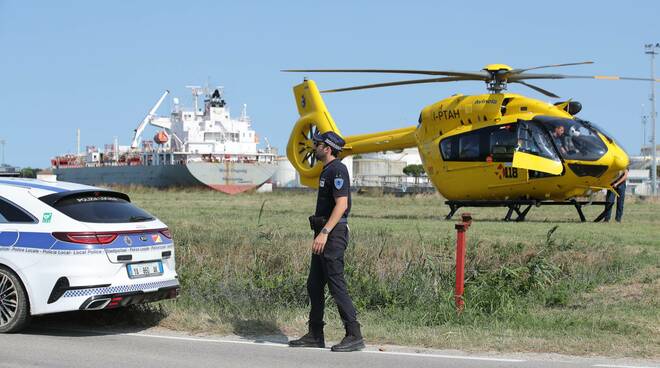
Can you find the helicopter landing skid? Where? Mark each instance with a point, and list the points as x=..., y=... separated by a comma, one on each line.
x=522, y=206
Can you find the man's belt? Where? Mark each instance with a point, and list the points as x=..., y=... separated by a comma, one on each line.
x=316, y=223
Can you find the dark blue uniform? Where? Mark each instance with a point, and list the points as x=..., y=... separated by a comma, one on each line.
x=328, y=267
x=333, y=183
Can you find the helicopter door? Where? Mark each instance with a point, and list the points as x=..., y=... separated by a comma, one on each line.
x=535, y=150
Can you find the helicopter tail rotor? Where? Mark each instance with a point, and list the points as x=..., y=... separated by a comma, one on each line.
x=315, y=117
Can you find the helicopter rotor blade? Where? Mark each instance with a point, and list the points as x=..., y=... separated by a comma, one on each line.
x=518, y=77
x=401, y=83
x=537, y=89
x=518, y=71
x=478, y=74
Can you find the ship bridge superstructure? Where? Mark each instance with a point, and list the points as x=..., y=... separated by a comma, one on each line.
x=210, y=130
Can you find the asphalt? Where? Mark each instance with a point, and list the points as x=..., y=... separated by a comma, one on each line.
x=45, y=345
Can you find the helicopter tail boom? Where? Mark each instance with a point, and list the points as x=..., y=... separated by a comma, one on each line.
x=314, y=116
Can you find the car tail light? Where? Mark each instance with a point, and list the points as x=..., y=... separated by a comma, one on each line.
x=114, y=302
x=166, y=233
x=86, y=238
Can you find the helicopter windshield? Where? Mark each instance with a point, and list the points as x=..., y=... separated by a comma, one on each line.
x=574, y=139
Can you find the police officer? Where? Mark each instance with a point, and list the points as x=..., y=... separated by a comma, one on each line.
x=330, y=227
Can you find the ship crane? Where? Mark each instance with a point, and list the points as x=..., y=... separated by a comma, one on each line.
x=153, y=120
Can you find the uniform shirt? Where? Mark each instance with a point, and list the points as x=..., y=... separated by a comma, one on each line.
x=334, y=182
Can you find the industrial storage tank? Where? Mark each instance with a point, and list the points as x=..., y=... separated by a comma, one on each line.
x=285, y=175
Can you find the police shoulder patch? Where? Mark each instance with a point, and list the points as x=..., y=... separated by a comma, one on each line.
x=339, y=183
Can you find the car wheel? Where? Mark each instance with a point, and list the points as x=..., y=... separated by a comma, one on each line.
x=14, y=308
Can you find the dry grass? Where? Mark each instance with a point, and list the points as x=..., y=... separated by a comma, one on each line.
x=547, y=285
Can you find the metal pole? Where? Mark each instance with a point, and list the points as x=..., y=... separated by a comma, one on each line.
x=460, y=265
x=651, y=50
x=461, y=228
x=644, y=142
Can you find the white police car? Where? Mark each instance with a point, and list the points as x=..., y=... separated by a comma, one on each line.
x=66, y=246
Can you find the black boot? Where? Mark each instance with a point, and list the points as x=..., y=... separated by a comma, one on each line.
x=353, y=340
x=312, y=339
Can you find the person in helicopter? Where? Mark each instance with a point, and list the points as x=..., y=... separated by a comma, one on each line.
x=570, y=146
x=564, y=142
x=559, y=138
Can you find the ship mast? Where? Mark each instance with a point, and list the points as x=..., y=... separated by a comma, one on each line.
x=196, y=92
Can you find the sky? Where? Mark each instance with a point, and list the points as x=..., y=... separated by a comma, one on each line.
x=101, y=65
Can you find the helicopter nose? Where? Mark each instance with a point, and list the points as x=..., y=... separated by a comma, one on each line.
x=620, y=162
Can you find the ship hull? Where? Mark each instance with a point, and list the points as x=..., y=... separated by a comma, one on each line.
x=227, y=177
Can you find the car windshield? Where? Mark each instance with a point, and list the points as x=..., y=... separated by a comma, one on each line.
x=574, y=139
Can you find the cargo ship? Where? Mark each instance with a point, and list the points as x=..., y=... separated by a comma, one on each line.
x=198, y=146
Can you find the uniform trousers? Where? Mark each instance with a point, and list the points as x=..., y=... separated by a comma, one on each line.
x=328, y=268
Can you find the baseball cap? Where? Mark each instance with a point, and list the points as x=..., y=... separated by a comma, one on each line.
x=330, y=138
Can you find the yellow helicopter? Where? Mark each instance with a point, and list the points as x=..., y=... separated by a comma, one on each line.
x=494, y=149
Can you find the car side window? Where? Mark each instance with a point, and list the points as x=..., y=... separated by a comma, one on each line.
x=11, y=213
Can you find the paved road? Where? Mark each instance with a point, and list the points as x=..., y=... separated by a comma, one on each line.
x=43, y=346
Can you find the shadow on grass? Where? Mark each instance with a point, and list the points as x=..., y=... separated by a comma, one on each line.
x=130, y=319
x=259, y=331
x=456, y=218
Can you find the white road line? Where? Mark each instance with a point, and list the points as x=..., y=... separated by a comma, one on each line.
x=440, y=356
x=464, y=357
x=621, y=366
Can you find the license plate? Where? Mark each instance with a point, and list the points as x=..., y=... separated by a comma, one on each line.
x=146, y=269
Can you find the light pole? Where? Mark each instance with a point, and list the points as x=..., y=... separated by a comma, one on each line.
x=652, y=49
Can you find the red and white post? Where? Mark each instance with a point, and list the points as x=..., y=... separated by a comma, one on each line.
x=461, y=229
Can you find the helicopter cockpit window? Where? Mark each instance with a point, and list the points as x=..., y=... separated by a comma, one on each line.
x=447, y=149
x=575, y=139
x=464, y=147
x=533, y=139
x=503, y=142
x=468, y=147
x=487, y=144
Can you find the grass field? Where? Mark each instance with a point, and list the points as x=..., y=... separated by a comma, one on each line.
x=550, y=284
